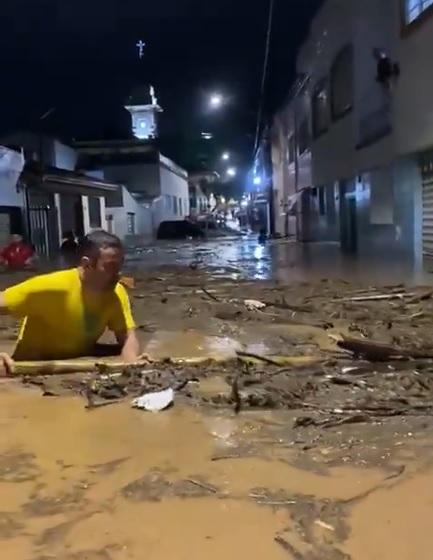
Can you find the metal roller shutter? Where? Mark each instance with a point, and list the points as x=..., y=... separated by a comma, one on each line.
x=427, y=226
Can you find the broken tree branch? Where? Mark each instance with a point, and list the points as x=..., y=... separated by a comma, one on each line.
x=378, y=352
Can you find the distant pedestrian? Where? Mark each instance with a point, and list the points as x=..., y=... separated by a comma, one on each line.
x=18, y=254
x=69, y=249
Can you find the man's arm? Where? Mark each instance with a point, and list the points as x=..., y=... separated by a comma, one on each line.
x=6, y=362
x=130, y=346
x=3, y=308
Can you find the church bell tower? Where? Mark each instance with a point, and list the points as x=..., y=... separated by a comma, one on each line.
x=143, y=107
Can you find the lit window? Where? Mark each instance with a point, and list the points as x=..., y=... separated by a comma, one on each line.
x=414, y=8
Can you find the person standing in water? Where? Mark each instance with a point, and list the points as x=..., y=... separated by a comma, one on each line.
x=65, y=313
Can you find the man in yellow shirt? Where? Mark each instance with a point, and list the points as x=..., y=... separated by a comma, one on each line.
x=65, y=313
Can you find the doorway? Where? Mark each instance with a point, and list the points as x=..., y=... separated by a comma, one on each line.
x=348, y=219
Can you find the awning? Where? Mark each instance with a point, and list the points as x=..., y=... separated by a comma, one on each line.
x=57, y=180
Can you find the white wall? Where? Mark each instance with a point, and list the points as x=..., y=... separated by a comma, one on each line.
x=173, y=184
x=9, y=196
x=414, y=95
x=143, y=217
x=65, y=157
x=139, y=178
x=366, y=25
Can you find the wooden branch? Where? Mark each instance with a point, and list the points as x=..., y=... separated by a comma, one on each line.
x=61, y=367
x=209, y=295
x=258, y=358
x=378, y=352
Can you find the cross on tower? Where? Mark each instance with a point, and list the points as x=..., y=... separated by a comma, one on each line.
x=140, y=46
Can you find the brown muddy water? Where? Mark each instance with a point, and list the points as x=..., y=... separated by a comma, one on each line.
x=198, y=481
x=121, y=484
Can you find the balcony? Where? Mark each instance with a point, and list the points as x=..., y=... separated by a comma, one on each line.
x=375, y=117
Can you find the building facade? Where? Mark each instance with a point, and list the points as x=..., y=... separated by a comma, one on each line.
x=154, y=188
x=49, y=196
x=352, y=142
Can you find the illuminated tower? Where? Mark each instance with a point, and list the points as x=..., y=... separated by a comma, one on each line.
x=143, y=107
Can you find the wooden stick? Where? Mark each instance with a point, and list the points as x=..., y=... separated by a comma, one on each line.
x=378, y=352
x=378, y=297
x=257, y=357
x=60, y=367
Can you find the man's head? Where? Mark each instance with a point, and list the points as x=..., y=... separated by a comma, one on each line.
x=101, y=260
x=16, y=238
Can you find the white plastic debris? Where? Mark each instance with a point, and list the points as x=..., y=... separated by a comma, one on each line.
x=254, y=305
x=154, y=402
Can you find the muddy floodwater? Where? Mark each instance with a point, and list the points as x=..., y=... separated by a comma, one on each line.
x=281, y=446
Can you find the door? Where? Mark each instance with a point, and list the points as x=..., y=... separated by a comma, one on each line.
x=5, y=228
x=348, y=220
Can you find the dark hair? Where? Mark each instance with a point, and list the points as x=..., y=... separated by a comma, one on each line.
x=92, y=243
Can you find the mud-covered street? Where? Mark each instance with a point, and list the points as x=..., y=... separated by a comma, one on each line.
x=300, y=429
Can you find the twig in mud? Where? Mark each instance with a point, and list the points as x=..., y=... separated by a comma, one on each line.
x=291, y=307
x=202, y=485
x=356, y=419
x=378, y=352
x=381, y=486
x=225, y=458
x=209, y=295
x=379, y=297
x=94, y=405
x=401, y=470
x=258, y=357
x=288, y=548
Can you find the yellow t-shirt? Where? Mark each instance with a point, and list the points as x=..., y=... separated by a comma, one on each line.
x=61, y=322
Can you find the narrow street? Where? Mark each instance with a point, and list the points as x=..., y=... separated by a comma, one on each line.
x=280, y=443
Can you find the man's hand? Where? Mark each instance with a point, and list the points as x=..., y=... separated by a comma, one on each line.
x=145, y=358
x=6, y=365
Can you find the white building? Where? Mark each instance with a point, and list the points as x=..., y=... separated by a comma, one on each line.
x=12, y=199
x=352, y=133
x=51, y=197
x=154, y=189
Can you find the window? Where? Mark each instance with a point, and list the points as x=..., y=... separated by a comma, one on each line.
x=130, y=223
x=114, y=199
x=175, y=205
x=180, y=206
x=320, y=108
x=291, y=149
x=342, y=83
x=414, y=8
x=304, y=136
x=94, y=212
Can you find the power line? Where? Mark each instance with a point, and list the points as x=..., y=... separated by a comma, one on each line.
x=264, y=74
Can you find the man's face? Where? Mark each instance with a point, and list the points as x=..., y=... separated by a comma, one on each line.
x=103, y=273
x=16, y=239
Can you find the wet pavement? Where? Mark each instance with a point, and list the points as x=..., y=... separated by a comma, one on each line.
x=280, y=260
x=312, y=455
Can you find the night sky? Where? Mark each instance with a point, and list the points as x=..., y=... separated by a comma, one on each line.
x=80, y=57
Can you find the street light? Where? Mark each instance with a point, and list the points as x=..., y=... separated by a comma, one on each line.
x=257, y=181
x=216, y=100
x=207, y=135
x=231, y=172
x=225, y=156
